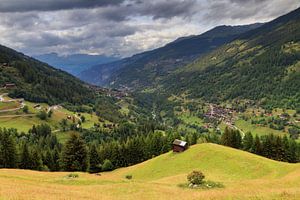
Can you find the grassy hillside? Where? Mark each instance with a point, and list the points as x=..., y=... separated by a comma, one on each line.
x=244, y=176
x=39, y=82
x=261, y=65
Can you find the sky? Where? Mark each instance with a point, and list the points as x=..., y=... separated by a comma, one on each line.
x=121, y=27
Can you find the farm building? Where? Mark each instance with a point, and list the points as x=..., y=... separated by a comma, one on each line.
x=179, y=146
x=9, y=85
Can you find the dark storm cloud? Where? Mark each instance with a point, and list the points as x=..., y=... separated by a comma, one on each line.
x=121, y=26
x=52, y=5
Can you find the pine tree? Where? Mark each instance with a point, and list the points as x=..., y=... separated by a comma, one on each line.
x=75, y=154
x=95, y=163
x=286, y=149
x=26, y=159
x=37, y=163
x=248, y=142
x=257, y=146
x=293, y=150
x=56, y=160
x=48, y=160
x=236, y=139
x=226, y=137
x=8, y=151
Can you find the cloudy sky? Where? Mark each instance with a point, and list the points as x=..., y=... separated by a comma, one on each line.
x=121, y=27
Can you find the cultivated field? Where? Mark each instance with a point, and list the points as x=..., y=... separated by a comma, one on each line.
x=244, y=176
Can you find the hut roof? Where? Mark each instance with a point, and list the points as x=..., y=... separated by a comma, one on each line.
x=179, y=143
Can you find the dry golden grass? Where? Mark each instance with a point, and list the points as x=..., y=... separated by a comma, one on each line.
x=280, y=181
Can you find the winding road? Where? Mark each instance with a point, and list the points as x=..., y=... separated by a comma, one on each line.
x=12, y=100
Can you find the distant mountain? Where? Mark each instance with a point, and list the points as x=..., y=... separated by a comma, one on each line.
x=262, y=65
x=76, y=63
x=38, y=82
x=145, y=69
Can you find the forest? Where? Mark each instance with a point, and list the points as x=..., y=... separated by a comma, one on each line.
x=126, y=145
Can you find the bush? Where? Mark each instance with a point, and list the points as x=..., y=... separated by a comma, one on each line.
x=25, y=109
x=196, y=178
x=129, y=177
x=42, y=115
x=72, y=175
x=107, y=165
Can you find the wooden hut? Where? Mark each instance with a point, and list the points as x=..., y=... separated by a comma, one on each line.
x=179, y=146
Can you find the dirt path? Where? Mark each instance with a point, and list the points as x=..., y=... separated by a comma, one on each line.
x=12, y=116
x=13, y=100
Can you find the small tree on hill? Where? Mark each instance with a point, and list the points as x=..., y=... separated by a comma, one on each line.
x=196, y=178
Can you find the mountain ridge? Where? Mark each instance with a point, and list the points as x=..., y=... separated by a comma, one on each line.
x=161, y=61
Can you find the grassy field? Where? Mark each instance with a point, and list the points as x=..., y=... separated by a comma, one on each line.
x=8, y=105
x=256, y=130
x=244, y=176
x=24, y=123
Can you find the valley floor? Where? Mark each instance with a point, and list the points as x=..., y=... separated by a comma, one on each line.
x=244, y=176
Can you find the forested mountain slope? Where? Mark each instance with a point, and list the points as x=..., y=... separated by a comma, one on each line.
x=38, y=82
x=145, y=69
x=263, y=64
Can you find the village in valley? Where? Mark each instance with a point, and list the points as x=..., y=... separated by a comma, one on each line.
x=245, y=116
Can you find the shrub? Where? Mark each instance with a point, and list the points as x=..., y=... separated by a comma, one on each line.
x=107, y=165
x=72, y=175
x=42, y=115
x=128, y=177
x=25, y=109
x=196, y=178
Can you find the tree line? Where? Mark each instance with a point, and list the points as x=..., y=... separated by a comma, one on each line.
x=128, y=145
x=270, y=146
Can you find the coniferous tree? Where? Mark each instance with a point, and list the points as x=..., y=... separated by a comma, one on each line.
x=248, y=142
x=26, y=159
x=75, y=154
x=56, y=160
x=257, y=146
x=8, y=151
x=48, y=160
x=236, y=139
x=286, y=149
x=226, y=137
x=95, y=163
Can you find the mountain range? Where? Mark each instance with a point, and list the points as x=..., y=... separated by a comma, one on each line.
x=143, y=69
x=258, y=62
x=75, y=63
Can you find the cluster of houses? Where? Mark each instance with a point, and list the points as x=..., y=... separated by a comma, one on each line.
x=219, y=113
x=119, y=94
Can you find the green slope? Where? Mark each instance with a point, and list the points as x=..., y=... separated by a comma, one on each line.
x=146, y=69
x=217, y=162
x=262, y=65
x=244, y=176
x=38, y=82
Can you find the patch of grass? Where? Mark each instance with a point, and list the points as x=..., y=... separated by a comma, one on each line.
x=246, y=126
x=72, y=175
x=204, y=185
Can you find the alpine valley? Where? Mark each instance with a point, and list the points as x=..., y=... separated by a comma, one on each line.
x=209, y=116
